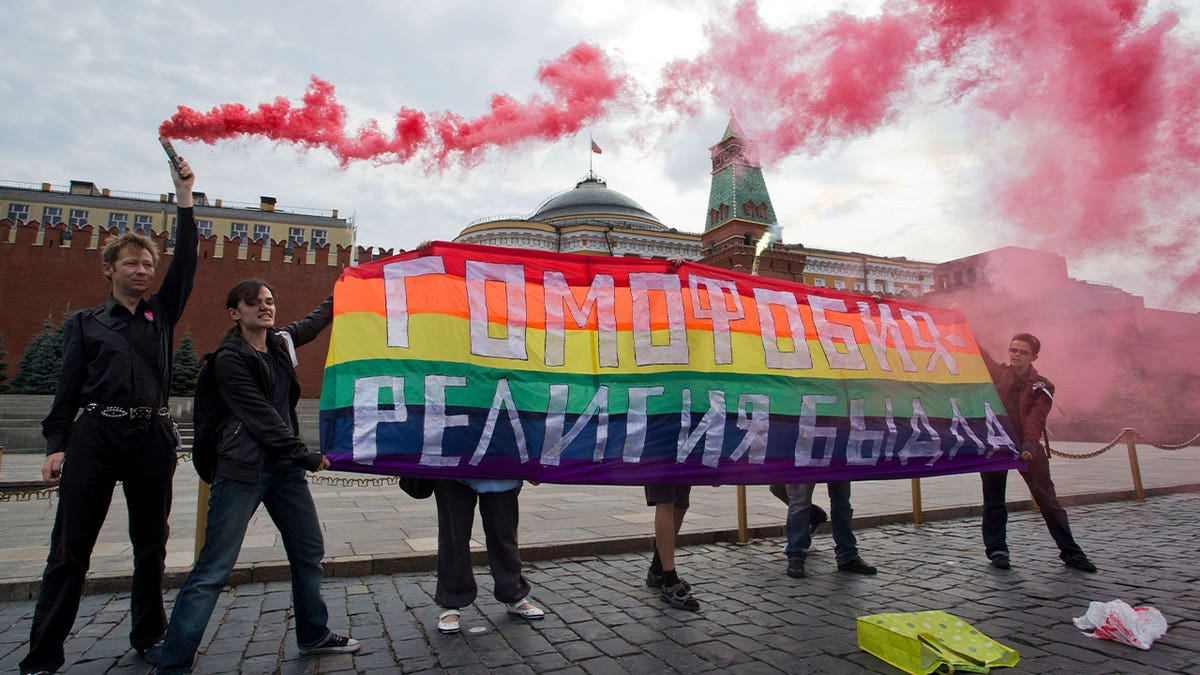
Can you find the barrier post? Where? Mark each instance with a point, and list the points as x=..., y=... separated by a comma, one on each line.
x=201, y=517
x=1131, y=445
x=918, y=516
x=743, y=529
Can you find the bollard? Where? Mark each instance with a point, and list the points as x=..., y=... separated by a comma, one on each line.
x=1, y=457
x=201, y=517
x=1131, y=445
x=918, y=516
x=743, y=530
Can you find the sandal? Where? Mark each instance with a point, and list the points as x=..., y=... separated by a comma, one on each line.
x=452, y=626
x=525, y=609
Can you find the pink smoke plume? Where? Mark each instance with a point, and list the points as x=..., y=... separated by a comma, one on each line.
x=1096, y=105
x=581, y=82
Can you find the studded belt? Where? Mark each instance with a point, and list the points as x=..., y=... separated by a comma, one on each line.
x=121, y=412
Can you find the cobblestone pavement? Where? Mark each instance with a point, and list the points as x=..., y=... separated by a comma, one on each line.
x=753, y=618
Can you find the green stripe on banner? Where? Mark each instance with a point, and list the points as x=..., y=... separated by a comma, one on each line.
x=531, y=389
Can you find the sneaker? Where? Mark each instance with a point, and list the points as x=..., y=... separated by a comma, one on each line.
x=856, y=566
x=1080, y=562
x=334, y=644
x=152, y=654
x=655, y=580
x=816, y=517
x=1000, y=561
x=795, y=568
x=679, y=597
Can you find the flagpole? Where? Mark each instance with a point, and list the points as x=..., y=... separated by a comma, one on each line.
x=590, y=152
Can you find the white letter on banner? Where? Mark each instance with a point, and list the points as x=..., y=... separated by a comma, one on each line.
x=960, y=422
x=889, y=419
x=645, y=352
x=555, y=442
x=635, y=422
x=395, y=293
x=756, y=425
x=931, y=448
x=512, y=345
x=601, y=299
x=719, y=292
x=997, y=437
x=799, y=357
x=828, y=332
x=810, y=432
x=436, y=419
x=856, y=453
x=888, y=328
x=711, y=427
x=935, y=340
x=368, y=414
x=502, y=399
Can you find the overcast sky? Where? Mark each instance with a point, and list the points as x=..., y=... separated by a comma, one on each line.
x=85, y=86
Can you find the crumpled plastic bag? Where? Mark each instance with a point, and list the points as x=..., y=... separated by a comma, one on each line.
x=1115, y=620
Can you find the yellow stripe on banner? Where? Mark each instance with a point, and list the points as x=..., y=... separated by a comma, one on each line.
x=362, y=335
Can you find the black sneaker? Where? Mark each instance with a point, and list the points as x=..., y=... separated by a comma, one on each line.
x=795, y=568
x=334, y=644
x=679, y=596
x=1000, y=561
x=655, y=580
x=856, y=566
x=1080, y=562
x=152, y=654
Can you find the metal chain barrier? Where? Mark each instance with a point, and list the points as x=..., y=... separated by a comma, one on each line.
x=1089, y=455
x=1166, y=446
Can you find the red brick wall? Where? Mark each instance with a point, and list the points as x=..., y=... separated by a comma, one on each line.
x=36, y=281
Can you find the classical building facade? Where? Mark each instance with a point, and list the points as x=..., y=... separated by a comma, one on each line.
x=82, y=203
x=594, y=219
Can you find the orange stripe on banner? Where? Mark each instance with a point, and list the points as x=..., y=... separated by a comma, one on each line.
x=439, y=294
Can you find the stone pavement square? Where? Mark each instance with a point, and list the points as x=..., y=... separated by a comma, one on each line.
x=753, y=618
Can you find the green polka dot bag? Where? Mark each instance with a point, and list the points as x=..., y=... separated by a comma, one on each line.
x=931, y=642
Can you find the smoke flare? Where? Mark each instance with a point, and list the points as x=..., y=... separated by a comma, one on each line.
x=581, y=84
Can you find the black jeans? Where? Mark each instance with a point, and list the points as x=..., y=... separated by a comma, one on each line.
x=456, y=513
x=995, y=510
x=100, y=452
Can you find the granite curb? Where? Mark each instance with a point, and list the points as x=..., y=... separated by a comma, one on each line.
x=366, y=565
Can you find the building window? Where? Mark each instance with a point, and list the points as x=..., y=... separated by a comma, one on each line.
x=839, y=284
x=262, y=232
x=295, y=236
x=118, y=222
x=143, y=224
x=860, y=286
x=320, y=237
x=204, y=228
x=78, y=218
x=18, y=213
x=819, y=283
x=239, y=231
x=51, y=215
x=880, y=285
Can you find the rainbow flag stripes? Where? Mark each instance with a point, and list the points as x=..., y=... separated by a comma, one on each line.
x=464, y=361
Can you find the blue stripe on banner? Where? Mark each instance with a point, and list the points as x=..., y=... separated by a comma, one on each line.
x=716, y=451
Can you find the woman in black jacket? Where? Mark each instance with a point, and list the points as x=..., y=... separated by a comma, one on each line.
x=260, y=459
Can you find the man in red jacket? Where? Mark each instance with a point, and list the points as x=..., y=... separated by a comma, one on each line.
x=1027, y=397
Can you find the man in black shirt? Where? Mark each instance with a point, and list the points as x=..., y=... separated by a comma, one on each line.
x=116, y=368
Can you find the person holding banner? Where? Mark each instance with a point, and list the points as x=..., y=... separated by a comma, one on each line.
x=260, y=459
x=800, y=528
x=499, y=509
x=110, y=423
x=1027, y=397
x=670, y=504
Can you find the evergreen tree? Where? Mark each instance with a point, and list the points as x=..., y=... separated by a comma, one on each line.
x=3, y=367
x=187, y=366
x=39, y=368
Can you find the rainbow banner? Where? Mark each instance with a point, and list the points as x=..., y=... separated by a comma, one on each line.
x=464, y=361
